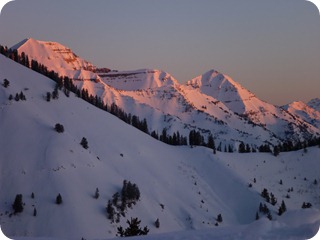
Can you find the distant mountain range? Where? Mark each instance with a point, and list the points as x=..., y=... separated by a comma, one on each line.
x=212, y=103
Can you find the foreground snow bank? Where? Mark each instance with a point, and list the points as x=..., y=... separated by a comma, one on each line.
x=293, y=225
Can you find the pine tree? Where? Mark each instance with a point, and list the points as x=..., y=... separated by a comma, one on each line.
x=210, y=143
x=48, y=97
x=133, y=229
x=283, y=206
x=157, y=223
x=219, y=218
x=18, y=204
x=59, y=199
x=84, y=143
x=34, y=212
x=110, y=211
x=276, y=151
x=96, y=195
x=6, y=83
x=273, y=199
x=59, y=128
x=242, y=148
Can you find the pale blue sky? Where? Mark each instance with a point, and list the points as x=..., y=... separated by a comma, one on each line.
x=271, y=47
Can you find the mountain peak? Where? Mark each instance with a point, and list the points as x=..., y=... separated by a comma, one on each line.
x=224, y=89
x=58, y=58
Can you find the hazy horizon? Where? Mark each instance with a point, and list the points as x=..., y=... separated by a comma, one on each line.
x=272, y=47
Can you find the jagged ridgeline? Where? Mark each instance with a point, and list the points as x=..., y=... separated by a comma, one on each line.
x=209, y=107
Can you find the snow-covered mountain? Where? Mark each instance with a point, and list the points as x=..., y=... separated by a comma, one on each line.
x=306, y=112
x=58, y=58
x=211, y=103
x=241, y=101
x=185, y=188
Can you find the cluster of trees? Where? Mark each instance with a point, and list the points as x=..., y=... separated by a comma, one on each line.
x=18, y=97
x=263, y=208
x=289, y=145
x=270, y=198
x=127, y=197
x=197, y=139
x=245, y=148
x=18, y=204
x=53, y=95
x=175, y=139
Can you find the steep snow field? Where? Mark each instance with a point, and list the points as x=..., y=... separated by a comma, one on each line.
x=186, y=188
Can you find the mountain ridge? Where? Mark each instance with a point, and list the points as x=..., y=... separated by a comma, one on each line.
x=166, y=104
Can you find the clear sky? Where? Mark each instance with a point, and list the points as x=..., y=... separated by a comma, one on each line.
x=271, y=47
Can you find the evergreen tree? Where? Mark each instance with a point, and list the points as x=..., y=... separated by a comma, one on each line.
x=210, y=143
x=22, y=96
x=242, y=148
x=84, y=143
x=157, y=223
x=6, y=83
x=110, y=211
x=59, y=128
x=219, y=218
x=96, y=195
x=48, y=97
x=273, y=199
x=34, y=212
x=133, y=229
x=265, y=195
x=18, y=204
x=282, y=208
x=17, y=97
x=59, y=199
x=276, y=151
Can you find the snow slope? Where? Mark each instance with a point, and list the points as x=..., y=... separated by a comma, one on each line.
x=186, y=188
